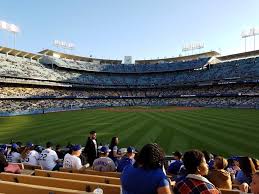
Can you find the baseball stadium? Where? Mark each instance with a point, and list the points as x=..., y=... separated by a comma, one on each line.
x=202, y=99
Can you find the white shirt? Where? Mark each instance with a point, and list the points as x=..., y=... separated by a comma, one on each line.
x=31, y=158
x=104, y=164
x=95, y=145
x=14, y=157
x=71, y=161
x=48, y=158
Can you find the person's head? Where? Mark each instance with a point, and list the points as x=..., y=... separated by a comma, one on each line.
x=114, y=142
x=220, y=163
x=255, y=183
x=207, y=155
x=14, y=148
x=195, y=163
x=151, y=156
x=76, y=150
x=49, y=144
x=104, y=151
x=92, y=135
x=131, y=152
x=58, y=147
x=247, y=166
x=29, y=146
x=177, y=155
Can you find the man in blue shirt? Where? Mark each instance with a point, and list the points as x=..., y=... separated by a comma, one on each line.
x=175, y=166
x=127, y=160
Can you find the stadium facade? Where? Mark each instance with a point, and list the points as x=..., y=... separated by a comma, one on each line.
x=53, y=81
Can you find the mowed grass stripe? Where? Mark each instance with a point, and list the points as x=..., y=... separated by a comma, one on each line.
x=191, y=130
x=239, y=120
x=66, y=129
x=227, y=140
x=212, y=129
x=82, y=131
x=227, y=128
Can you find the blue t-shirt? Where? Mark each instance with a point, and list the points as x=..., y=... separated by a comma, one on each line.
x=174, y=167
x=141, y=181
x=242, y=178
x=125, y=161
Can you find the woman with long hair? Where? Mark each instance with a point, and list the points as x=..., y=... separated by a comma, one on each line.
x=114, y=155
x=146, y=176
x=247, y=170
x=219, y=176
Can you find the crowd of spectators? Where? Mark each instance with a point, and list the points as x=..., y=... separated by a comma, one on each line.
x=59, y=92
x=143, y=171
x=9, y=106
x=96, y=66
x=237, y=69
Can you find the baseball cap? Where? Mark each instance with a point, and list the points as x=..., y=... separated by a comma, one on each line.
x=131, y=150
x=76, y=147
x=29, y=144
x=15, y=146
x=105, y=149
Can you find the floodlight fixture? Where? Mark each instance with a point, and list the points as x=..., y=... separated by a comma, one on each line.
x=252, y=32
x=64, y=45
x=193, y=46
x=10, y=28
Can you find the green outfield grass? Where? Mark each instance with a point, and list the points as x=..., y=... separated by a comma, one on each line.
x=223, y=131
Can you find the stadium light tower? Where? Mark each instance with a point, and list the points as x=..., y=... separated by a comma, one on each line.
x=10, y=28
x=253, y=32
x=64, y=45
x=193, y=46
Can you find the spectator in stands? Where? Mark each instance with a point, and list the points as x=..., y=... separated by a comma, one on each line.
x=233, y=167
x=247, y=169
x=91, y=148
x=255, y=183
x=114, y=155
x=209, y=159
x=127, y=160
x=4, y=149
x=72, y=160
x=195, y=182
x=175, y=166
x=59, y=152
x=104, y=163
x=49, y=158
x=14, y=156
x=29, y=155
x=3, y=162
x=147, y=175
x=218, y=176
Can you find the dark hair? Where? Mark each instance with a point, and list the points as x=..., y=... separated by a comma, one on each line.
x=247, y=166
x=207, y=155
x=178, y=154
x=113, y=143
x=49, y=144
x=192, y=160
x=151, y=156
x=92, y=132
x=14, y=149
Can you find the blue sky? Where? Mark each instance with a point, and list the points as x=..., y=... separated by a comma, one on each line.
x=143, y=29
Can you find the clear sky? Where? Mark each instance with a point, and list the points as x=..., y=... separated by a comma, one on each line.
x=139, y=28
